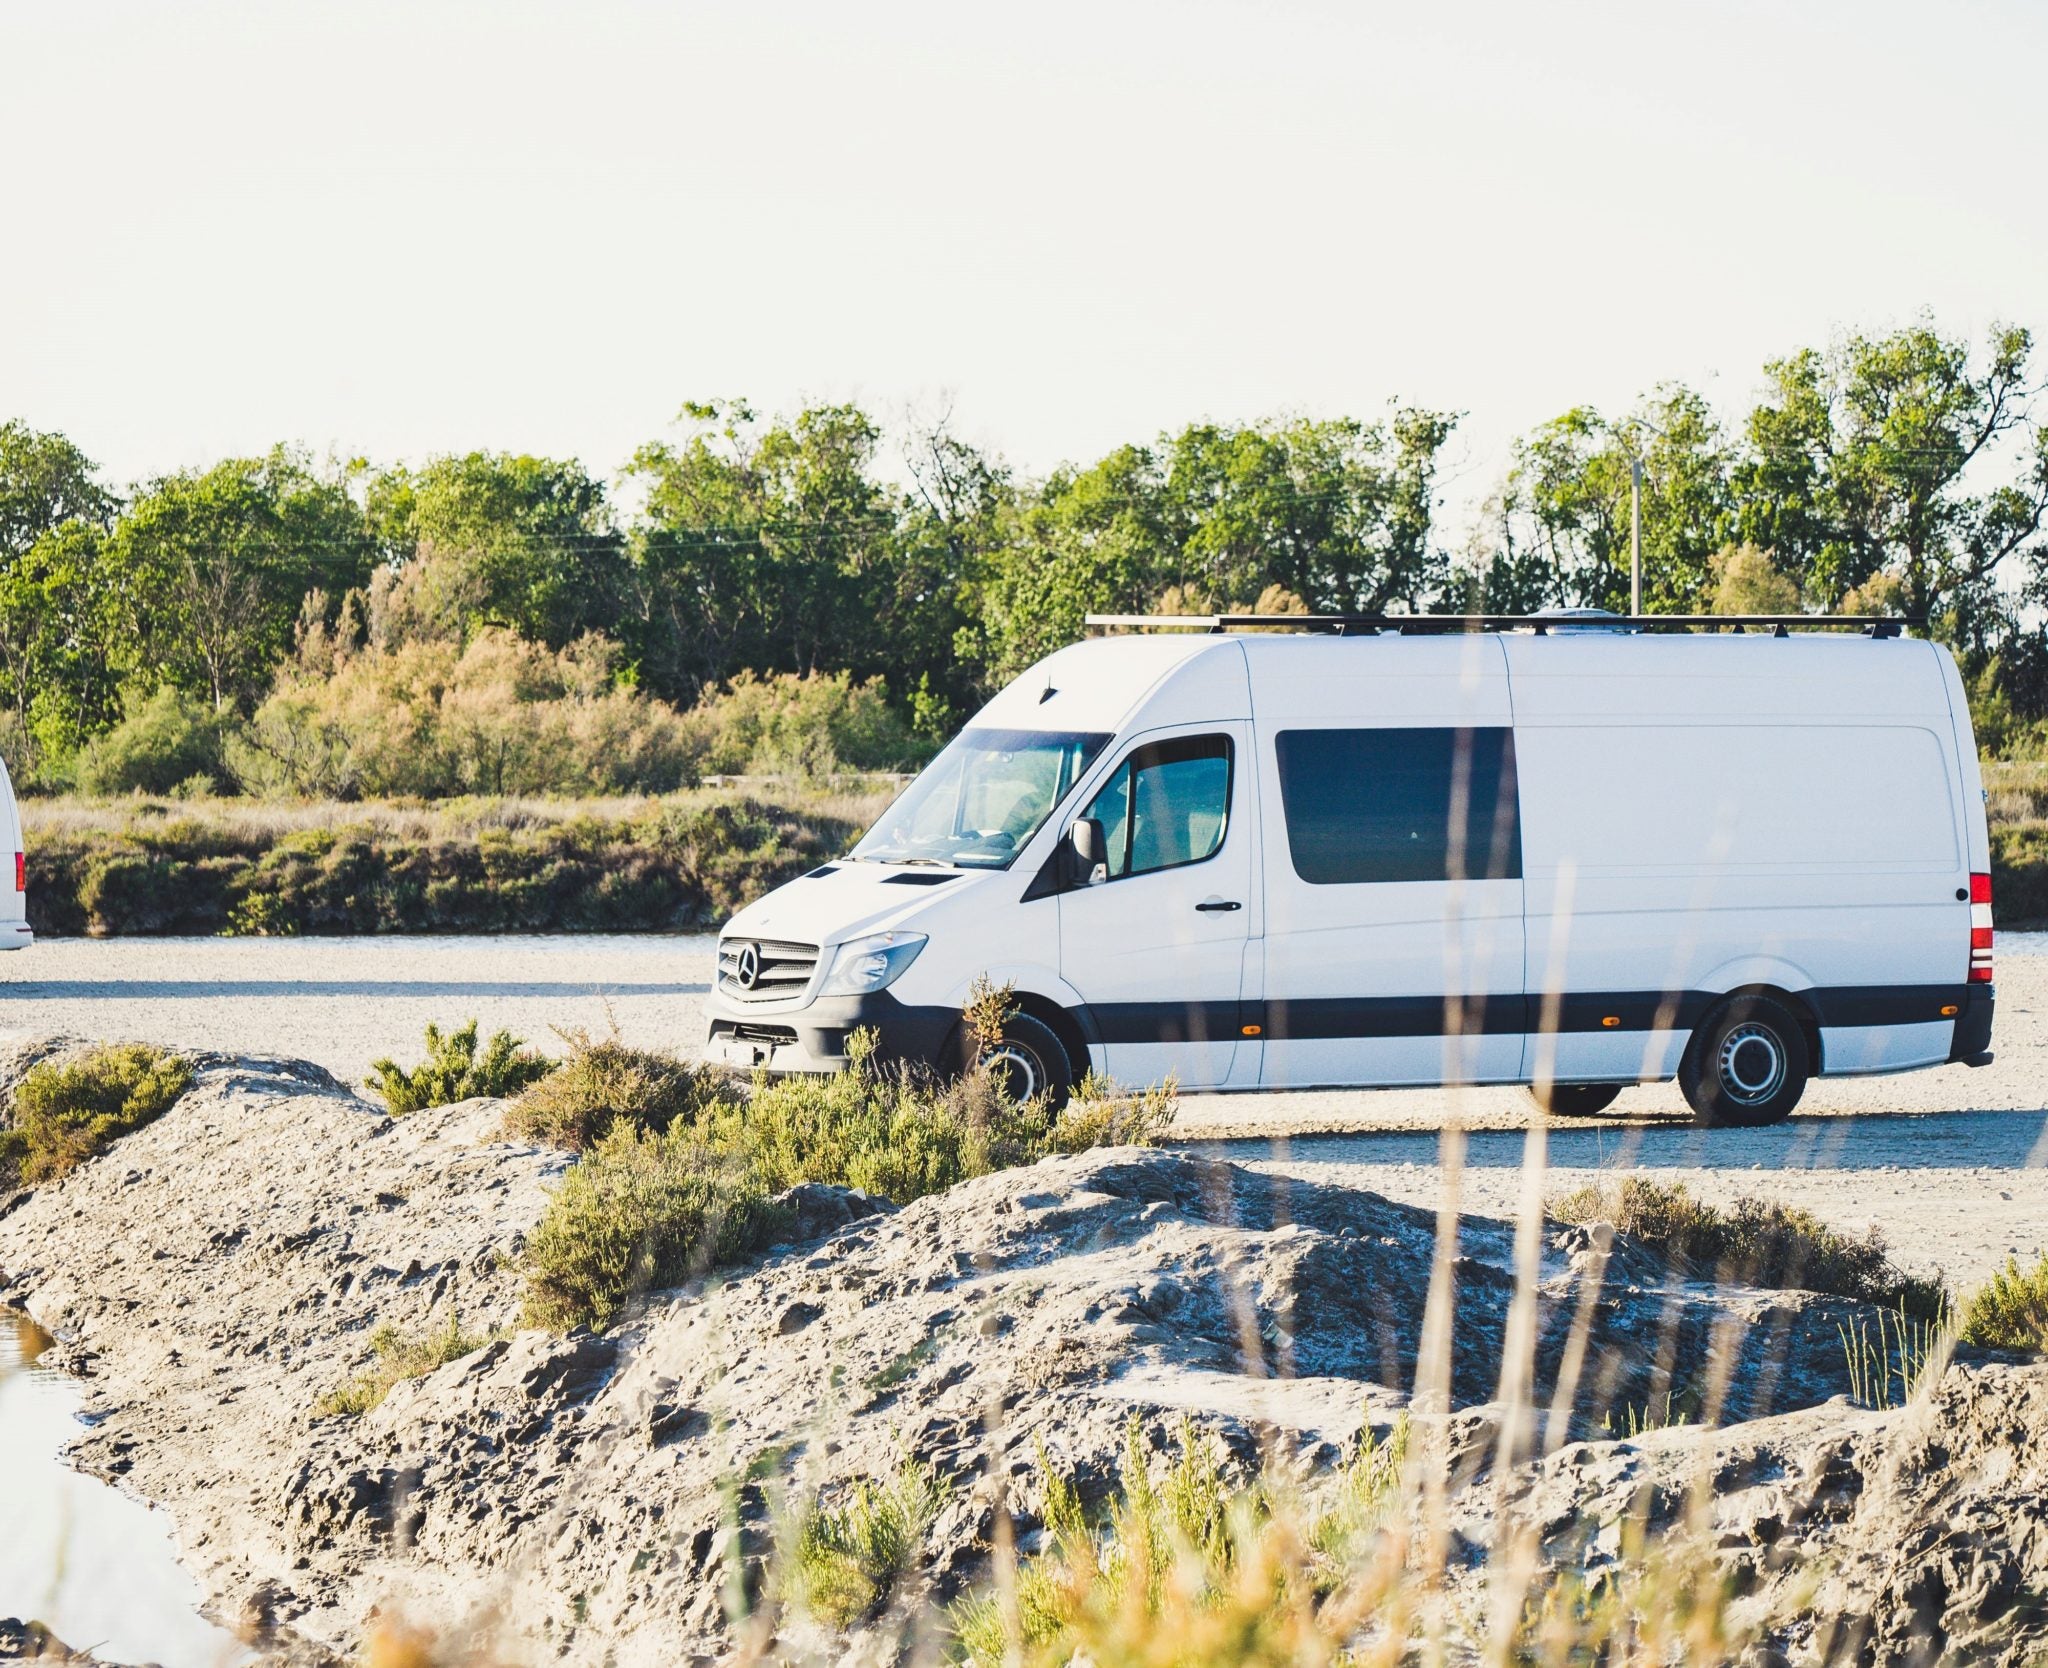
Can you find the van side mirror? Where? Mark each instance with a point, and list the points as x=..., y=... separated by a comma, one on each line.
x=1085, y=843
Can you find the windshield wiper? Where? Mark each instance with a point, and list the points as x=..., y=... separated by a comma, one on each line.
x=913, y=862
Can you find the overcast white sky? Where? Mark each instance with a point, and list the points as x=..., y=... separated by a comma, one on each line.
x=399, y=229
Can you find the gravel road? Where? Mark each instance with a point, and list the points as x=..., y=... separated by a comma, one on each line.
x=1952, y=1164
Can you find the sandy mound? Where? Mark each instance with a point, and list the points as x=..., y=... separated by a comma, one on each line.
x=213, y=1275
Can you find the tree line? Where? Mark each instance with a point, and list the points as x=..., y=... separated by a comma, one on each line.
x=1903, y=471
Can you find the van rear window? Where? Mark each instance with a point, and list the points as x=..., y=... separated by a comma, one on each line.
x=1370, y=807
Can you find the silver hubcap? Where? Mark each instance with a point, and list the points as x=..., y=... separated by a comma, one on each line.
x=1016, y=1068
x=1752, y=1064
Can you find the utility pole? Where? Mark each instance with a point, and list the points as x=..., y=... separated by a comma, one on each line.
x=1635, y=534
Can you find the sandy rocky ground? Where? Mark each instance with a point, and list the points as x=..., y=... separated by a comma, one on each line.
x=212, y=1275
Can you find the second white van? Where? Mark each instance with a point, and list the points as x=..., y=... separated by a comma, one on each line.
x=1575, y=856
x=14, y=927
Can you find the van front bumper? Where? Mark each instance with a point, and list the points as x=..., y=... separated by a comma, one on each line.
x=1972, y=1045
x=813, y=1038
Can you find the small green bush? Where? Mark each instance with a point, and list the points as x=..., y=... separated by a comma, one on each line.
x=454, y=1071
x=640, y=1211
x=650, y=1207
x=64, y=1114
x=166, y=741
x=604, y=1083
x=2010, y=1311
x=1758, y=1241
x=846, y=1558
x=399, y=1356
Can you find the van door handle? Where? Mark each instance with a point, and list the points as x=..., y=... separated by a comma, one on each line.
x=1217, y=903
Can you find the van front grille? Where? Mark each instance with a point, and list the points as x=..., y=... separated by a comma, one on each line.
x=764, y=969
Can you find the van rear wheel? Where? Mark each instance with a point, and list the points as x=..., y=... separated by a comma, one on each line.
x=1574, y=1100
x=1028, y=1060
x=1747, y=1064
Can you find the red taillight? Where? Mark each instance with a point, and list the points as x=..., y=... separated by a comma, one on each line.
x=21, y=871
x=1980, y=929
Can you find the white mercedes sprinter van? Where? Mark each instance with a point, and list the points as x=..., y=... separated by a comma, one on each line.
x=14, y=929
x=1573, y=855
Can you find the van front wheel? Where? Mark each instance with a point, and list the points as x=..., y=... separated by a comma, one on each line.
x=1028, y=1060
x=1747, y=1064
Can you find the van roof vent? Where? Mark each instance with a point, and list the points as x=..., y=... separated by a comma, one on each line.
x=1559, y=620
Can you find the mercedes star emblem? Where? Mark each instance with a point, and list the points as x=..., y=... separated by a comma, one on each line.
x=747, y=970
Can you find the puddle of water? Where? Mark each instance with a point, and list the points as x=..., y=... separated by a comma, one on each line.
x=98, y=1568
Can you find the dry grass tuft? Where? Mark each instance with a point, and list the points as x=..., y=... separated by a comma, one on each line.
x=1759, y=1242
x=399, y=1356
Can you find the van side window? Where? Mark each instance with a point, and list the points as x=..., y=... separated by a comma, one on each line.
x=1167, y=804
x=1368, y=807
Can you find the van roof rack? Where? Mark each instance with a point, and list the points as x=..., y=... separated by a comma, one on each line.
x=1562, y=620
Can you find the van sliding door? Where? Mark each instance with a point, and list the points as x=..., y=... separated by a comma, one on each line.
x=1394, y=934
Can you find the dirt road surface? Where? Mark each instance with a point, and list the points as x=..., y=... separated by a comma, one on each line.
x=1951, y=1164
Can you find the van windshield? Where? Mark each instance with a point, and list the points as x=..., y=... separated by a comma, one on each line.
x=979, y=801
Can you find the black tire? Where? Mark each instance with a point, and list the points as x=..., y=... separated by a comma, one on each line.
x=1747, y=1064
x=1029, y=1059
x=1575, y=1100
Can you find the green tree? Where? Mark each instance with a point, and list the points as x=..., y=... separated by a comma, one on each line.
x=767, y=547
x=213, y=566
x=1338, y=514
x=1088, y=541
x=1856, y=466
x=1566, y=507
x=45, y=482
x=496, y=539
x=56, y=648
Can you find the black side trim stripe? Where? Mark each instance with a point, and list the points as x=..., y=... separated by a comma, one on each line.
x=1507, y=1015
x=1163, y=1022
x=1397, y=1016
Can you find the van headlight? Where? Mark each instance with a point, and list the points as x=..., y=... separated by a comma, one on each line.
x=870, y=964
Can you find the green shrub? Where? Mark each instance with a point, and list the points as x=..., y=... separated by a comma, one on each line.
x=2010, y=1311
x=648, y=1208
x=1757, y=1241
x=454, y=1071
x=434, y=718
x=655, y=866
x=604, y=1083
x=166, y=740
x=846, y=1558
x=64, y=1114
x=2019, y=871
x=398, y=1356
x=810, y=725
x=639, y=1211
